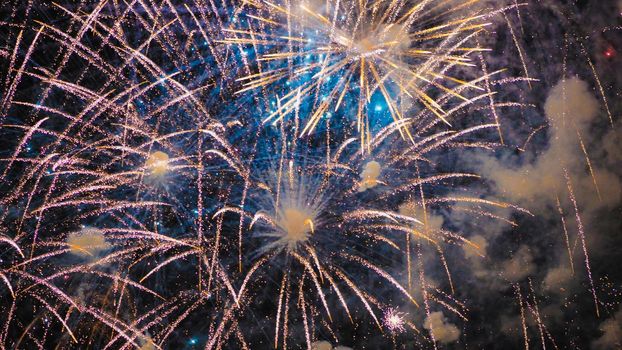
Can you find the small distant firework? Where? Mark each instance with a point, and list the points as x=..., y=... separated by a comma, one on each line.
x=394, y=320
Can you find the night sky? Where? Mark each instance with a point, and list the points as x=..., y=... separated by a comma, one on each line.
x=322, y=174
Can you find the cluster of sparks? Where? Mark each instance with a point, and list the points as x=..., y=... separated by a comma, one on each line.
x=224, y=164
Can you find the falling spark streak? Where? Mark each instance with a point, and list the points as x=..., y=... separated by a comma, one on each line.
x=384, y=274
x=359, y=294
x=589, y=164
x=582, y=238
x=566, y=238
x=518, y=48
x=536, y=312
x=600, y=86
x=522, y=315
x=278, y=313
x=491, y=100
x=535, y=131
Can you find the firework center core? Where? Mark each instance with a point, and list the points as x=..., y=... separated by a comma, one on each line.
x=296, y=224
x=157, y=163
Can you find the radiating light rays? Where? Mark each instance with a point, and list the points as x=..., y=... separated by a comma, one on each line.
x=337, y=56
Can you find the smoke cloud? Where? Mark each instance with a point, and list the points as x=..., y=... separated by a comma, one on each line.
x=612, y=333
x=88, y=242
x=442, y=330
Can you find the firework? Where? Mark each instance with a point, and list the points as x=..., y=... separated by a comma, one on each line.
x=257, y=174
x=358, y=58
x=97, y=172
x=312, y=222
x=394, y=320
x=305, y=234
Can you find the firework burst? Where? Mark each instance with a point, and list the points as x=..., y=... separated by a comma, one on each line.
x=358, y=58
x=256, y=174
